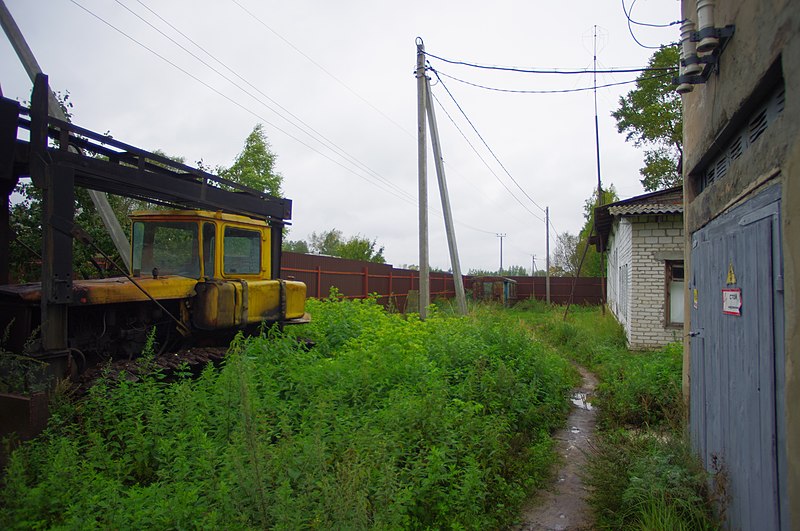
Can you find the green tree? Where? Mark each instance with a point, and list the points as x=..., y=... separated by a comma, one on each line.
x=26, y=225
x=515, y=271
x=565, y=255
x=255, y=165
x=593, y=263
x=570, y=247
x=333, y=243
x=296, y=246
x=650, y=116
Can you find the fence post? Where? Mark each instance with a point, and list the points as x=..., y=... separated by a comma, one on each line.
x=366, y=282
x=319, y=281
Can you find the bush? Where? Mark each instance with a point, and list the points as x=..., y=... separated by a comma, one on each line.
x=389, y=422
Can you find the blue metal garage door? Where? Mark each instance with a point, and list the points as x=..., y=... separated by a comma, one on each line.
x=737, y=373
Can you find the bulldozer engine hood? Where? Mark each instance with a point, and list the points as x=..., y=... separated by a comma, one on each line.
x=109, y=290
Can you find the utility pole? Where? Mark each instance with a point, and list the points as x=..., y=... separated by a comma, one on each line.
x=599, y=183
x=422, y=168
x=533, y=265
x=32, y=67
x=547, y=260
x=501, y=236
x=458, y=280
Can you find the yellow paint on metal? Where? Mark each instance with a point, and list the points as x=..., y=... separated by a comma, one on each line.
x=731, y=275
x=120, y=289
x=295, y=299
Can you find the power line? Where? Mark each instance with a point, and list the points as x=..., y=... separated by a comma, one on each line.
x=325, y=70
x=560, y=91
x=249, y=111
x=631, y=21
x=484, y=160
x=630, y=26
x=485, y=143
x=406, y=198
x=532, y=70
x=314, y=134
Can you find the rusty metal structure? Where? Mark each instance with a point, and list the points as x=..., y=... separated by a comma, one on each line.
x=59, y=156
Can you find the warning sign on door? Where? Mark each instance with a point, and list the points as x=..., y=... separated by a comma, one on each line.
x=732, y=301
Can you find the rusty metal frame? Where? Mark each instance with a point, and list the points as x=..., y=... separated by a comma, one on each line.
x=120, y=169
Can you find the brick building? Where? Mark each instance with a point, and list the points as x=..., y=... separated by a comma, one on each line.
x=643, y=238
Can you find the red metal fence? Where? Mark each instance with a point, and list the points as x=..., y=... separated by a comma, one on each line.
x=356, y=279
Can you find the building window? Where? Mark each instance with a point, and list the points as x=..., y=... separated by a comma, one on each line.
x=674, y=293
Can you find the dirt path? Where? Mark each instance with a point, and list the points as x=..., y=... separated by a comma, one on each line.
x=563, y=506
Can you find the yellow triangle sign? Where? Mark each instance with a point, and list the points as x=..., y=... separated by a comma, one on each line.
x=731, y=275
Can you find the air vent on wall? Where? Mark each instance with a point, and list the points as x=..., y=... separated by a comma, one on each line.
x=757, y=125
x=744, y=138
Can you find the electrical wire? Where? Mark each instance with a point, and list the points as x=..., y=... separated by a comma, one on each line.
x=523, y=205
x=559, y=91
x=630, y=27
x=325, y=70
x=485, y=143
x=630, y=20
x=314, y=134
x=621, y=70
x=406, y=197
x=241, y=106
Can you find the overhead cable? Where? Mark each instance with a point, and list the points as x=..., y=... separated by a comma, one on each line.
x=523, y=205
x=325, y=70
x=621, y=70
x=241, y=106
x=558, y=91
x=485, y=143
x=631, y=21
x=307, y=129
x=630, y=27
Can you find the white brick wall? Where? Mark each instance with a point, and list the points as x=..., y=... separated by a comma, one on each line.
x=639, y=241
x=619, y=259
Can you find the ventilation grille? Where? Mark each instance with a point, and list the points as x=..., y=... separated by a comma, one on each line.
x=745, y=138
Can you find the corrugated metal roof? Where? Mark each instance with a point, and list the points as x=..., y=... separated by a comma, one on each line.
x=664, y=202
x=669, y=201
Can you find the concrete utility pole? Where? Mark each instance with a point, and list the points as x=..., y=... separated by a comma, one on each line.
x=547, y=260
x=32, y=68
x=422, y=168
x=458, y=280
x=501, y=236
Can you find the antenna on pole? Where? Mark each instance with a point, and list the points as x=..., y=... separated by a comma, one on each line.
x=599, y=182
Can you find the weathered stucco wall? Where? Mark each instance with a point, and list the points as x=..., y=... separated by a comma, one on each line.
x=767, y=35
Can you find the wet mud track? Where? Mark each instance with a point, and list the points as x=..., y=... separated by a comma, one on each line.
x=563, y=505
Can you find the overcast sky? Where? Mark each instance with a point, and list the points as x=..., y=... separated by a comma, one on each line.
x=345, y=69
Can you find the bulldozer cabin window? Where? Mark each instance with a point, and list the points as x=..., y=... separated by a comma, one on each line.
x=209, y=241
x=165, y=248
x=242, y=252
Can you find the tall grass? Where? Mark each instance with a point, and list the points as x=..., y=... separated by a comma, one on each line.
x=388, y=423
x=642, y=474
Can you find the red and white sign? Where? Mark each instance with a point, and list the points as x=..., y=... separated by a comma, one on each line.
x=732, y=301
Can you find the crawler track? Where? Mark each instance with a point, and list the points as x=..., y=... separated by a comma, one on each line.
x=194, y=359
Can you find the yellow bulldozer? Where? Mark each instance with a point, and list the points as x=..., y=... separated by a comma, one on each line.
x=199, y=272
